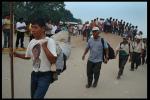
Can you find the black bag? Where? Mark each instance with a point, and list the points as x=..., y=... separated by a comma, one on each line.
x=111, y=52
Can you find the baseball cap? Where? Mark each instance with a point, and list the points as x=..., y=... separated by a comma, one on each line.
x=95, y=29
x=138, y=37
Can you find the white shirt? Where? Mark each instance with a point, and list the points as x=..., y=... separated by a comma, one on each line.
x=80, y=26
x=134, y=47
x=44, y=62
x=124, y=47
x=54, y=29
x=49, y=26
x=18, y=24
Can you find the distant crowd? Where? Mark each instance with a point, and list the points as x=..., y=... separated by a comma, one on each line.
x=109, y=25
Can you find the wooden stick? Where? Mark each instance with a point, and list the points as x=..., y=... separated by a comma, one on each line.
x=11, y=50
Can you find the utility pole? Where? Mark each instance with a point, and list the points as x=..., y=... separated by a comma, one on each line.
x=11, y=48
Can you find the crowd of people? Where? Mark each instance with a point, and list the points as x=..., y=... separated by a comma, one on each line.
x=22, y=28
x=131, y=47
x=135, y=51
x=110, y=26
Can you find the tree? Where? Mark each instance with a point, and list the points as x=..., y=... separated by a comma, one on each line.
x=49, y=10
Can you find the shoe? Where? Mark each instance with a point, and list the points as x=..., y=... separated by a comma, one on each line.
x=136, y=67
x=23, y=47
x=131, y=69
x=94, y=85
x=118, y=77
x=4, y=46
x=88, y=86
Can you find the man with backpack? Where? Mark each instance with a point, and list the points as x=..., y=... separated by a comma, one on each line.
x=123, y=49
x=95, y=59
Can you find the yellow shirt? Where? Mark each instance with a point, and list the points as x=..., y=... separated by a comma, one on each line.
x=7, y=23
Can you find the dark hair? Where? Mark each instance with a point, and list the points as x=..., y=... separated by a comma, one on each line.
x=39, y=21
x=140, y=32
x=20, y=19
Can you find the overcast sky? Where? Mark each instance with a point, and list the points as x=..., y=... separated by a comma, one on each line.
x=132, y=12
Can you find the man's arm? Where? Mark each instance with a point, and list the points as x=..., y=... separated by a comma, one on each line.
x=106, y=58
x=107, y=51
x=85, y=52
x=21, y=56
x=116, y=53
x=117, y=50
x=49, y=55
x=142, y=49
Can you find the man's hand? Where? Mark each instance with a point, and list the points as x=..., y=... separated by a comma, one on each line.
x=105, y=60
x=115, y=56
x=130, y=60
x=83, y=57
x=13, y=54
x=44, y=44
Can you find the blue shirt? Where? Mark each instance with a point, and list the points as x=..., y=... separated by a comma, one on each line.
x=96, y=49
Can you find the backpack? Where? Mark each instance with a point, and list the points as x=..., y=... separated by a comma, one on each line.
x=111, y=52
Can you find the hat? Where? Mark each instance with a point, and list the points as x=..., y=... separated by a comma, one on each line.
x=138, y=37
x=95, y=29
x=124, y=36
x=87, y=25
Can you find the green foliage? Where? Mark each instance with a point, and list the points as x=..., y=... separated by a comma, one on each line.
x=49, y=10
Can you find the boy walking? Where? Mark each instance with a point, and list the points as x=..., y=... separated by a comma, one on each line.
x=42, y=50
x=123, y=50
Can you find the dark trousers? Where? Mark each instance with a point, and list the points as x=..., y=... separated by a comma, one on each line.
x=6, y=38
x=20, y=36
x=143, y=57
x=80, y=32
x=40, y=82
x=93, y=69
x=136, y=59
x=122, y=61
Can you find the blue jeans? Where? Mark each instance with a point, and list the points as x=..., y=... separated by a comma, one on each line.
x=40, y=82
x=6, y=38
